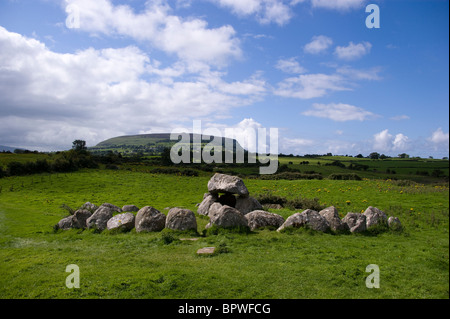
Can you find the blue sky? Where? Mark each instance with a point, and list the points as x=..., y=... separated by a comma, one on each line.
x=310, y=68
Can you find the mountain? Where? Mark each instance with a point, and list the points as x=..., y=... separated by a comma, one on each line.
x=152, y=143
x=4, y=148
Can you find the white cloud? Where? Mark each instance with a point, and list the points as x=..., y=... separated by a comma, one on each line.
x=265, y=11
x=440, y=139
x=290, y=66
x=339, y=112
x=308, y=86
x=50, y=99
x=189, y=39
x=400, y=118
x=353, y=51
x=385, y=142
x=382, y=141
x=338, y=4
x=400, y=142
x=371, y=74
x=318, y=44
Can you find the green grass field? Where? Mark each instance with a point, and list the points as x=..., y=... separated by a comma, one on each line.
x=263, y=264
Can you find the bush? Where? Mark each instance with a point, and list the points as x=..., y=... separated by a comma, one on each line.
x=336, y=163
x=2, y=172
x=305, y=203
x=269, y=198
x=16, y=169
x=296, y=203
x=345, y=177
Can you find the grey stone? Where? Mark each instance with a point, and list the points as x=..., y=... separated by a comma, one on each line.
x=149, y=219
x=221, y=183
x=123, y=221
x=65, y=223
x=374, y=216
x=247, y=204
x=227, y=217
x=80, y=217
x=89, y=206
x=356, y=222
x=130, y=208
x=181, y=219
x=332, y=216
x=208, y=200
x=100, y=218
x=259, y=218
x=308, y=218
x=394, y=223
x=112, y=207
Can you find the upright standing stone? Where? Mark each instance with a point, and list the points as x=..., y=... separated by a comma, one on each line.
x=375, y=216
x=332, y=216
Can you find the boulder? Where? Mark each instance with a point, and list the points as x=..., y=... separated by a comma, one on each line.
x=181, y=219
x=65, y=223
x=221, y=183
x=123, y=222
x=394, y=223
x=100, y=218
x=332, y=216
x=308, y=218
x=130, y=208
x=214, y=208
x=374, y=216
x=356, y=222
x=208, y=200
x=247, y=204
x=80, y=217
x=112, y=207
x=89, y=206
x=259, y=219
x=149, y=219
x=226, y=217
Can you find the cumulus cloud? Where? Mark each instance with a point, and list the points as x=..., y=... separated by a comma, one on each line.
x=308, y=86
x=353, y=51
x=189, y=39
x=318, y=44
x=290, y=66
x=338, y=4
x=440, y=139
x=50, y=98
x=265, y=11
x=385, y=142
x=339, y=112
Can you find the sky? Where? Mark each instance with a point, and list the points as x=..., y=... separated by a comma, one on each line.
x=313, y=69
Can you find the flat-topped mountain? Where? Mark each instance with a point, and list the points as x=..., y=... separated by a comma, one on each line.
x=153, y=143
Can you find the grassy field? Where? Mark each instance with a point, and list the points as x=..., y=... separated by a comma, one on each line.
x=262, y=264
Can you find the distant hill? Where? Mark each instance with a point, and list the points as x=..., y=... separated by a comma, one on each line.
x=151, y=143
x=4, y=148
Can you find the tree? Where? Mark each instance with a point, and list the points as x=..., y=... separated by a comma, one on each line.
x=359, y=156
x=403, y=155
x=79, y=145
x=374, y=155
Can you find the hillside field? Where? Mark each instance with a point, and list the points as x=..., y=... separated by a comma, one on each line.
x=413, y=263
